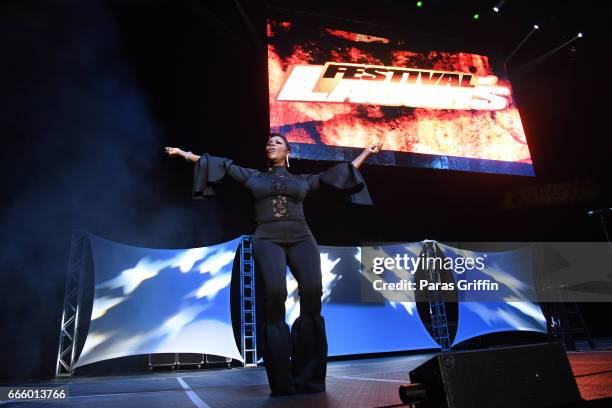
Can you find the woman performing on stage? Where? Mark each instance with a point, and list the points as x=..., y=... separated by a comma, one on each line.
x=296, y=360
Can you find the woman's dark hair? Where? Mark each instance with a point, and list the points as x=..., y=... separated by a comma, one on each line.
x=284, y=139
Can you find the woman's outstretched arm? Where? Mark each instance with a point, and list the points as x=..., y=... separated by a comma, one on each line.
x=209, y=170
x=374, y=148
x=175, y=151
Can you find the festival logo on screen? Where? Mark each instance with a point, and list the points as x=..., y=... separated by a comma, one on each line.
x=331, y=89
x=393, y=86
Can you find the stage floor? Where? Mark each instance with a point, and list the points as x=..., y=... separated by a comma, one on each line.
x=350, y=383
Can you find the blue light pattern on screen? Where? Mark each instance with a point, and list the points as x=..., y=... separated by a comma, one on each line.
x=178, y=301
x=160, y=301
x=515, y=310
x=355, y=327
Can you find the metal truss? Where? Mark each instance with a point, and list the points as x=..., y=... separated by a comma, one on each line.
x=77, y=264
x=437, y=310
x=247, y=302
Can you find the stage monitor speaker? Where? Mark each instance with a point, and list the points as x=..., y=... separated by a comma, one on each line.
x=530, y=376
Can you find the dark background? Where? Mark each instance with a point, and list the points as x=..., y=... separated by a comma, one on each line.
x=93, y=91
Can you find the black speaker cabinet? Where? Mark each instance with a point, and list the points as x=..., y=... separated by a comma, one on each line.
x=530, y=376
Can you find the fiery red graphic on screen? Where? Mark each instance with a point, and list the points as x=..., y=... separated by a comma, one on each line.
x=481, y=134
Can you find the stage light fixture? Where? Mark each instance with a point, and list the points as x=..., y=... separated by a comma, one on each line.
x=579, y=35
x=419, y=4
x=535, y=26
x=476, y=16
x=498, y=6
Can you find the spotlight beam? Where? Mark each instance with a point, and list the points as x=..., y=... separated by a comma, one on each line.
x=219, y=28
x=533, y=30
x=247, y=21
x=543, y=56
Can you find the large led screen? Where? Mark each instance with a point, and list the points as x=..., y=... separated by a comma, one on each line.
x=336, y=86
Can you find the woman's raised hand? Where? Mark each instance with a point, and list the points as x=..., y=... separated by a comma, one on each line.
x=174, y=151
x=375, y=147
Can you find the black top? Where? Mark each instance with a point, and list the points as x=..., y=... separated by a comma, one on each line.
x=278, y=194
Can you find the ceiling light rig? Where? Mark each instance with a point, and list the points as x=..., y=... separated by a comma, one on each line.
x=547, y=54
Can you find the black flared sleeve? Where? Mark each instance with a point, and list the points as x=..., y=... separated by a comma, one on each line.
x=210, y=170
x=346, y=178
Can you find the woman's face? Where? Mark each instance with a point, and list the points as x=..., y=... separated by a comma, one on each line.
x=276, y=149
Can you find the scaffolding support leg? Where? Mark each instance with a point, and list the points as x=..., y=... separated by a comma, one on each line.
x=68, y=336
x=437, y=309
x=247, y=302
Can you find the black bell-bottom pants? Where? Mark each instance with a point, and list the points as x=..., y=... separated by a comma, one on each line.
x=296, y=360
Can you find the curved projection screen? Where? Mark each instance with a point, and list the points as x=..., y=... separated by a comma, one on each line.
x=354, y=327
x=336, y=86
x=515, y=310
x=178, y=301
x=160, y=301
